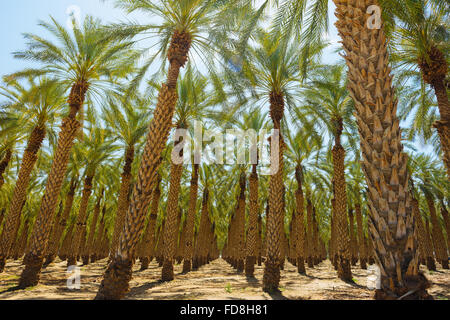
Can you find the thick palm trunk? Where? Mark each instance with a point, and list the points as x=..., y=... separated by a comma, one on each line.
x=97, y=251
x=60, y=227
x=52, y=240
x=65, y=246
x=81, y=221
x=118, y=274
x=189, y=246
x=424, y=240
x=90, y=240
x=362, y=244
x=434, y=71
x=202, y=231
x=252, y=231
x=39, y=237
x=148, y=243
x=171, y=231
x=271, y=278
x=340, y=193
x=20, y=192
x=391, y=223
x=440, y=248
x=309, y=232
x=4, y=164
x=123, y=202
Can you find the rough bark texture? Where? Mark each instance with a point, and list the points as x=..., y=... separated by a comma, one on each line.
x=123, y=202
x=4, y=164
x=440, y=247
x=424, y=240
x=90, y=240
x=39, y=236
x=189, y=245
x=445, y=216
x=171, y=231
x=118, y=274
x=300, y=222
x=362, y=244
x=148, y=243
x=391, y=223
x=12, y=222
x=81, y=221
x=271, y=278
x=434, y=70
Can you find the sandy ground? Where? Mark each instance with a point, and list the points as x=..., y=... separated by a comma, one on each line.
x=214, y=281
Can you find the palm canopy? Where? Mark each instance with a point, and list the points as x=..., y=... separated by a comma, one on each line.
x=200, y=19
x=128, y=117
x=84, y=56
x=35, y=105
x=326, y=98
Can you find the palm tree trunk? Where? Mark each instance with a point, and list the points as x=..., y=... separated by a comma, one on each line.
x=39, y=237
x=171, y=231
x=353, y=241
x=436, y=234
x=384, y=164
x=123, y=202
x=20, y=192
x=52, y=240
x=271, y=278
x=81, y=221
x=97, y=251
x=118, y=274
x=189, y=247
x=362, y=243
x=148, y=245
x=424, y=240
x=434, y=71
x=90, y=241
x=446, y=217
x=252, y=231
x=4, y=164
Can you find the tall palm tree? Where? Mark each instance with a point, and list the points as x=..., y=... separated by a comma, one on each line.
x=327, y=99
x=302, y=147
x=84, y=62
x=127, y=119
x=183, y=24
x=38, y=104
x=421, y=40
x=384, y=163
x=271, y=68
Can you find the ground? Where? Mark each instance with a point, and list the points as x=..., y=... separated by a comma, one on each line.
x=216, y=280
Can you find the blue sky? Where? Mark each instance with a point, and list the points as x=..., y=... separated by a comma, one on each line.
x=21, y=16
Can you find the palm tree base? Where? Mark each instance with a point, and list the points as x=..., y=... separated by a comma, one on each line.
x=71, y=261
x=145, y=261
x=414, y=288
x=31, y=274
x=271, y=278
x=444, y=264
x=250, y=266
x=49, y=259
x=344, y=270
x=186, y=266
x=167, y=271
x=301, y=266
x=85, y=260
x=2, y=264
x=115, y=283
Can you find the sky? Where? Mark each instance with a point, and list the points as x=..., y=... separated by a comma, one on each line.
x=19, y=16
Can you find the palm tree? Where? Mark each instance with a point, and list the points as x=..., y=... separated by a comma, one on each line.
x=183, y=23
x=384, y=163
x=327, y=99
x=421, y=41
x=301, y=146
x=83, y=62
x=193, y=103
x=128, y=120
x=38, y=105
x=97, y=147
x=271, y=70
